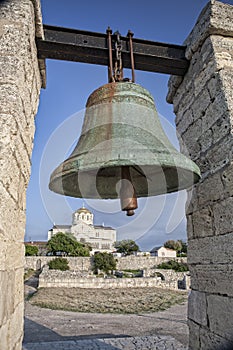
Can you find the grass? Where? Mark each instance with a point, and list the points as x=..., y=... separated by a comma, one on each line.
x=29, y=273
x=124, y=301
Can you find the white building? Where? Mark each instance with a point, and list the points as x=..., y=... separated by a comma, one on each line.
x=163, y=252
x=101, y=238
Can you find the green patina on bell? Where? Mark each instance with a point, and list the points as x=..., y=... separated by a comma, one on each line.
x=122, y=138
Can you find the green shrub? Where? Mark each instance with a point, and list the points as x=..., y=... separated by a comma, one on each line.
x=173, y=265
x=59, y=264
x=103, y=261
x=31, y=250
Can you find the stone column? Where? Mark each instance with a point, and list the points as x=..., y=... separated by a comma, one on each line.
x=20, y=83
x=203, y=103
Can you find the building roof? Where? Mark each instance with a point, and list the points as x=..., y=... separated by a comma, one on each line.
x=155, y=249
x=104, y=227
x=61, y=226
x=36, y=243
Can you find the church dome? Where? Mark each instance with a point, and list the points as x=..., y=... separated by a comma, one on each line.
x=83, y=210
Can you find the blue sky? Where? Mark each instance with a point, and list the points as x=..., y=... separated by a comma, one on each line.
x=60, y=114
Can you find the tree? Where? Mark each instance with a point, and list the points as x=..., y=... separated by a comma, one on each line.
x=183, y=247
x=31, y=250
x=173, y=265
x=104, y=261
x=59, y=264
x=126, y=246
x=66, y=244
x=171, y=244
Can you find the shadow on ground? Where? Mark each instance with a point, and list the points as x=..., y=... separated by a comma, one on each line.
x=35, y=332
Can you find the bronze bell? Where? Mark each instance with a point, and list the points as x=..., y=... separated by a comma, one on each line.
x=123, y=143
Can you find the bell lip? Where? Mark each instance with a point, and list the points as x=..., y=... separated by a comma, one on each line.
x=56, y=179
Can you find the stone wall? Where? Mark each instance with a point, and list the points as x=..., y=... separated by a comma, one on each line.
x=203, y=103
x=84, y=264
x=75, y=263
x=73, y=279
x=20, y=84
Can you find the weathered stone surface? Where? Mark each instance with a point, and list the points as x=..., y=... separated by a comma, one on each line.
x=192, y=200
x=206, y=191
x=190, y=226
x=202, y=223
x=223, y=218
x=20, y=83
x=194, y=335
x=211, y=341
x=220, y=314
x=206, y=94
x=209, y=278
x=227, y=179
x=85, y=263
x=211, y=250
x=216, y=110
x=197, y=307
x=191, y=141
x=206, y=140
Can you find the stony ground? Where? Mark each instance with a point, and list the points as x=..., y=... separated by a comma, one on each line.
x=130, y=300
x=55, y=326
x=67, y=330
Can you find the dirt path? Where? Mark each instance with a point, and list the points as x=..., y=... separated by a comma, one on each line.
x=53, y=325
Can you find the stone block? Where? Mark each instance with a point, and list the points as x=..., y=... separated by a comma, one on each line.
x=197, y=307
x=190, y=139
x=24, y=161
x=215, y=110
x=18, y=287
x=215, y=85
x=219, y=157
x=211, y=250
x=191, y=204
x=11, y=70
x=187, y=120
x=200, y=106
x=220, y=315
x=210, y=190
x=16, y=329
x=206, y=140
x=189, y=226
x=211, y=341
x=202, y=223
x=227, y=179
x=13, y=229
x=14, y=259
x=221, y=128
x=183, y=101
x=204, y=165
x=14, y=41
x=209, y=278
x=4, y=335
x=223, y=48
x=194, y=335
x=226, y=75
x=223, y=219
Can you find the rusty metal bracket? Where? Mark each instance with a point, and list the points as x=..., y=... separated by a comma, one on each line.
x=90, y=47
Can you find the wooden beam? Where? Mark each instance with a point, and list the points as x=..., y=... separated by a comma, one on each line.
x=90, y=47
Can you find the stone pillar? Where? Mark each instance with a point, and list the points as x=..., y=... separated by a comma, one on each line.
x=20, y=83
x=203, y=103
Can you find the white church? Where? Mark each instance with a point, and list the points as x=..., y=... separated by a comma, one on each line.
x=101, y=238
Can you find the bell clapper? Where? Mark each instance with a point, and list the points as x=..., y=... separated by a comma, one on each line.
x=127, y=192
